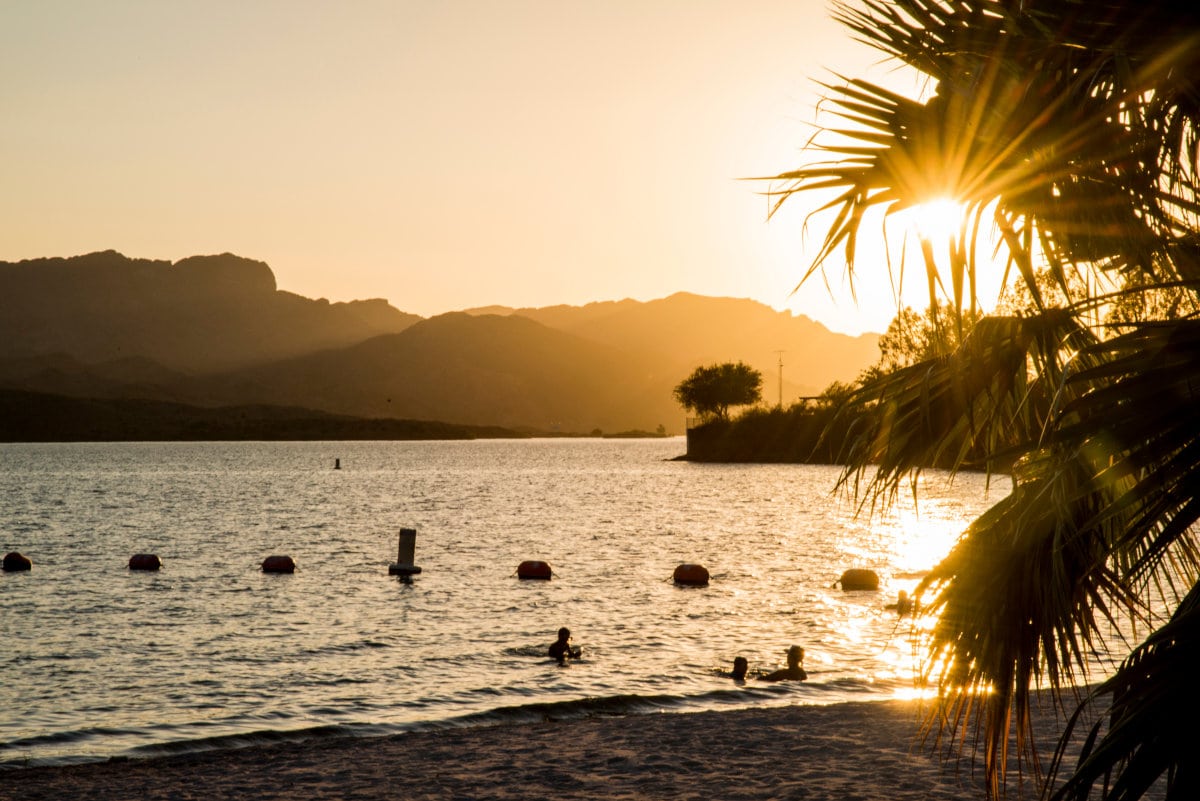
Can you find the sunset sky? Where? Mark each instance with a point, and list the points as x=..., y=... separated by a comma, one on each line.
x=440, y=154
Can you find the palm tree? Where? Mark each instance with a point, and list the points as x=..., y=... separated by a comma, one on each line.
x=1072, y=127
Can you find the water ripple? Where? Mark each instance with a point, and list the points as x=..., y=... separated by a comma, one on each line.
x=211, y=652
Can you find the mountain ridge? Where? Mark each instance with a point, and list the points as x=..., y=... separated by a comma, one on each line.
x=198, y=314
x=217, y=331
x=683, y=323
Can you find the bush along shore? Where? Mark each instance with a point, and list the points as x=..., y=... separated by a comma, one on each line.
x=794, y=435
x=816, y=433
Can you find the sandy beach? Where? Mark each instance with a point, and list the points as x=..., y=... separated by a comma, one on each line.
x=848, y=752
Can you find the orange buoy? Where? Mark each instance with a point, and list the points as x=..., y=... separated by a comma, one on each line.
x=533, y=569
x=691, y=575
x=278, y=564
x=859, y=579
x=144, y=561
x=17, y=561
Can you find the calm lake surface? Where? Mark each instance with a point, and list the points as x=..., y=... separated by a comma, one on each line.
x=101, y=661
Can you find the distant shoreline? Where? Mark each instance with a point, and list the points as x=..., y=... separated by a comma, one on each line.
x=40, y=417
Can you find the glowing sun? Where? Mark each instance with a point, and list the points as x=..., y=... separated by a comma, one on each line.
x=939, y=220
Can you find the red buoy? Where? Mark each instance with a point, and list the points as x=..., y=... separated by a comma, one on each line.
x=533, y=569
x=144, y=561
x=278, y=564
x=17, y=561
x=691, y=575
x=858, y=578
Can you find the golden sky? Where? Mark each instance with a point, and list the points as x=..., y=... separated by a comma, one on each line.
x=442, y=154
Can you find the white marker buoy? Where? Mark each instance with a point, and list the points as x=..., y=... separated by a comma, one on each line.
x=404, y=557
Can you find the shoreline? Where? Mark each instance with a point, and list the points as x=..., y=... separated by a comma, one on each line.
x=870, y=750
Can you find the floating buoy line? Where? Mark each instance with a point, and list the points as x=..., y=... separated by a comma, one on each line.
x=687, y=574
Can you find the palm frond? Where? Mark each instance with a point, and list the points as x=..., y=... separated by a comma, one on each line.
x=1019, y=601
x=984, y=406
x=1077, y=124
x=1136, y=423
x=1153, y=692
x=1092, y=144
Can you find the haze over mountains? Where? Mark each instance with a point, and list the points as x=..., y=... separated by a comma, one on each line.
x=216, y=331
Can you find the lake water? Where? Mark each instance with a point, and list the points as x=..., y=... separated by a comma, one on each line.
x=101, y=661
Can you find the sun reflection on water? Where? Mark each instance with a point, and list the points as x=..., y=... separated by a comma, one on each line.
x=916, y=537
x=922, y=536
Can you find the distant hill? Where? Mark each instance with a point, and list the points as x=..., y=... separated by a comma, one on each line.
x=479, y=370
x=63, y=374
x=215, y=331
x=687, y=330
x=197, y=315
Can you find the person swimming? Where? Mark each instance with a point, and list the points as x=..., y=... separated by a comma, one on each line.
x=561, y=648
x=740, y=666
x=793, y=671
x=903, y=604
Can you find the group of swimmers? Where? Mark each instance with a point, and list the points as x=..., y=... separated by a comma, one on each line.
x=793, y=672
x=561, y=650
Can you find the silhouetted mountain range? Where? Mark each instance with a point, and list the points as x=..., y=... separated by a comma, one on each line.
x=215, y=331
x=200, y=314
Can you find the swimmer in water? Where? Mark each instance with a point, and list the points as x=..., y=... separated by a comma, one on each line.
x=740, y=666
x=561, y=648
x=794, y=671
x=903, y=604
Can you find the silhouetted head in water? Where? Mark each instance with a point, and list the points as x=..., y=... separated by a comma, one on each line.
x=794, y=671
x=795, y=656
x=903, y=604
x=740, y=666
x=561, y=648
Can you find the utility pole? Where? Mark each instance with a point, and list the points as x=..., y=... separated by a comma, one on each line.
x=780, y=353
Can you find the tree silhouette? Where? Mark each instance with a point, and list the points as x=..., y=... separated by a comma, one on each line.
x=915, y=337
x=710, y=391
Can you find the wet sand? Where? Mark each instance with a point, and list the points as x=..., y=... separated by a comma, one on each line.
x=849, y=752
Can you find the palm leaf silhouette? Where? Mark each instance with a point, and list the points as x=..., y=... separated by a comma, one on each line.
x=1074, y=130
